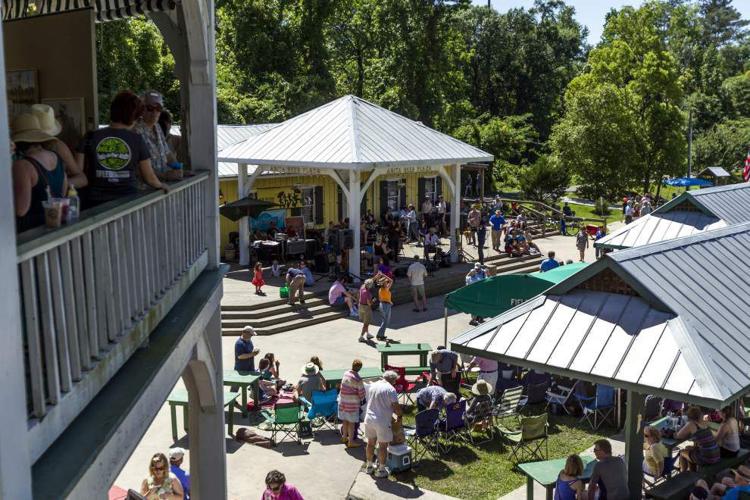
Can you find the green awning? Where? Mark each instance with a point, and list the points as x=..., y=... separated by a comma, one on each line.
x=496, y=295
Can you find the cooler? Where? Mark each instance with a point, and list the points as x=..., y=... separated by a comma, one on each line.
x=399, y=458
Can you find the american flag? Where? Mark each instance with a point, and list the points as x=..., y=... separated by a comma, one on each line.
x=746, y=171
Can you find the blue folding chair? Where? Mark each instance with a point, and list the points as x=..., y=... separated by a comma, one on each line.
x=423, y=437
x=323, y=409
x=453, y=428
x=598, y=408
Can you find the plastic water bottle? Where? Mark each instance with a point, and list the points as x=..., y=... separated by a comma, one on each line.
x=74, y=207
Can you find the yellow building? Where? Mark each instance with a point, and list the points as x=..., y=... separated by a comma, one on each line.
x=328, y=201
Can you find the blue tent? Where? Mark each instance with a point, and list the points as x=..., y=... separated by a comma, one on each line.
x=688, y=181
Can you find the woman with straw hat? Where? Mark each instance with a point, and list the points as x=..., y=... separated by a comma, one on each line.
x=479, y=412
x=37, y=172
x=50, y=125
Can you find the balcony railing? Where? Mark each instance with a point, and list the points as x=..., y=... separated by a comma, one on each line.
x=92, y=292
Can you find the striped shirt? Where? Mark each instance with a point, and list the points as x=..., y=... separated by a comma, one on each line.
x=352, y=392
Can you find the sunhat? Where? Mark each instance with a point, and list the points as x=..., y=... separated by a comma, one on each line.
x=481, y=388
x=176, y=453
x=46, y=116
x=26, y=128
x=310, y=369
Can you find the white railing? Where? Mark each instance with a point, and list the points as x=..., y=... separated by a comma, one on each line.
x=101, y=282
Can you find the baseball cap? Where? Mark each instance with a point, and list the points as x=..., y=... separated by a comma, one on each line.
x=176, y=453
x=152, y=97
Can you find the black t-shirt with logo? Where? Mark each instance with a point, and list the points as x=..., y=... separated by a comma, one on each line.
x=112, y=158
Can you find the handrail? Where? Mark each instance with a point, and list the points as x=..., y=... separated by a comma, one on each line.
x=38, y=240
x=600, y=221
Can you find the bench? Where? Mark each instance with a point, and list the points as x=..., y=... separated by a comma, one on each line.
x=417, y=370
x=680, y=485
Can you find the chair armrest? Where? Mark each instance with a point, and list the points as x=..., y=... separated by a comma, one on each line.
x=267, y=416
x=304, y=402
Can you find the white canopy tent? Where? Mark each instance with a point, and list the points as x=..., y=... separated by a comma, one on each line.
x=347, y=137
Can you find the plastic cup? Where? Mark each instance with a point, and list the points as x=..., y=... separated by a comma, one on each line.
x=65, y=207
x=52, y=213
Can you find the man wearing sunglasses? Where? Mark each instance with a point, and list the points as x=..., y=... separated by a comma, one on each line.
x=148, y=127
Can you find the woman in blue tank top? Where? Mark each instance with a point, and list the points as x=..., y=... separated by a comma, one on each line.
x=568, y=486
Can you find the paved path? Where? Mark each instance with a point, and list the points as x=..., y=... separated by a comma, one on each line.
x=322, y=468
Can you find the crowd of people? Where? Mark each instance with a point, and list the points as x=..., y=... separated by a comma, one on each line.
x=132, y=153
x=636, y=206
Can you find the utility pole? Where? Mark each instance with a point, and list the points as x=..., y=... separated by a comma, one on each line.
x=690, y=141
x=489, y=4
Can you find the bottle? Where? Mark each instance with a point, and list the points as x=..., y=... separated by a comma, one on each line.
x=74, y=208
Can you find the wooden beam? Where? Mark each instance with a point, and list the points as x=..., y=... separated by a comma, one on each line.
x=634, y=442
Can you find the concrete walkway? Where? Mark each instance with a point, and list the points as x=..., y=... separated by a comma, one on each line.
x=321, y=468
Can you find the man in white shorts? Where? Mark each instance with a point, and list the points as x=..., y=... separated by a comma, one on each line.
x=382, y=403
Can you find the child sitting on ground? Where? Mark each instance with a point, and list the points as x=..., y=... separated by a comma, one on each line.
x=258, y=280
x=275, y=268
x=268, y=384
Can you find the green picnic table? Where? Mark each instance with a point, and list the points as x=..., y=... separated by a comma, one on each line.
x=420, y=349
x=243, y=380
x=545, y=473
x=179, y=397
x=333, y=377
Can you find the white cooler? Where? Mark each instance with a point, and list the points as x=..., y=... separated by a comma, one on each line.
x=399, y=458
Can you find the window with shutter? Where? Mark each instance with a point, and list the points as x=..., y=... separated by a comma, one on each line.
x=318, y=205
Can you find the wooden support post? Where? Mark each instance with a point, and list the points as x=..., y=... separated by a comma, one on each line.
x=354, y=199
x=634, y=442
x=456, y=213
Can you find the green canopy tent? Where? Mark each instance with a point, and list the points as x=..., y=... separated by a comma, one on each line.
x=495, y=295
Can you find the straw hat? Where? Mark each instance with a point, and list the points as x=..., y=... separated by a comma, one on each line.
x=310, y=369
x=482, y=388
x=46, y=116
x=26, y=128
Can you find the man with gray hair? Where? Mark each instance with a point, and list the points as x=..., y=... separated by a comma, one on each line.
x=444, y=369
x=382, y=403
x=434, y=396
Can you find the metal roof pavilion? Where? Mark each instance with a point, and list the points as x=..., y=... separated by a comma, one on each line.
x=668, y=319
x=690, y=213
x=352, y=134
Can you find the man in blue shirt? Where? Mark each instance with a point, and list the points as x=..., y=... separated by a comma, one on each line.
x=309, y=279
x=434, y=396
x=175, y=461
x=498, y=221
x=549, y=263
x=245, y=351
x=444, y=369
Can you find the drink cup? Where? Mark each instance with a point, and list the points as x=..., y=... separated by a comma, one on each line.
x=64, y=207
x=52, y=212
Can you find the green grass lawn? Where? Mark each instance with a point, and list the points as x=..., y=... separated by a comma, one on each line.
x=485, y=471
x=587, y=212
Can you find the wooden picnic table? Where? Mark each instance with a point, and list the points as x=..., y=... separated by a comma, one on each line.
x=333, y=377
x=179, y=397
x=420, y=349
x=244, y=380
x=672, y=443
x=546, y=473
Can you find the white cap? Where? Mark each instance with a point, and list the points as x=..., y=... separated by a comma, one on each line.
x=176, y=453
x=249, y=330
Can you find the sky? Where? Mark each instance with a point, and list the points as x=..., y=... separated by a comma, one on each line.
x=591, y=12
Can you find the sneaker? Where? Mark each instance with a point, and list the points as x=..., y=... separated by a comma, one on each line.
x=380, y=338
x=370, y=336
x=370, y=468
x=473, y=322
x=362, y=339
x=415, y=310
x=382, y=472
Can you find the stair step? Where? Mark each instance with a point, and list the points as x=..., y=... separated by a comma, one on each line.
x=271, y=310
x=292, y=313
x=265, y=304
x=528, y=263
x=292, y=325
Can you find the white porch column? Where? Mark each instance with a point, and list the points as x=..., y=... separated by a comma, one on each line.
x=455, y=212
x=203, y=379
x=242, y=190
x=354, y=198
x=15, y=459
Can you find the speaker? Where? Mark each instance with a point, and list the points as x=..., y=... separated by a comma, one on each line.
x=311, y=248
x=333, y=240
x=321, y=263
x=346, y=239
x=295, y=247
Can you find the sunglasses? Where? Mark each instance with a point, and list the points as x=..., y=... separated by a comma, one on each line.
x=152, y=108
x=159, y=467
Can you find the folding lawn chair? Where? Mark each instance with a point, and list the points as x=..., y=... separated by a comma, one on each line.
x=453, y=428
x=423, y=437
x=285, y=419
x=535, y=395
x=527, y=441
x=560, y=395
x=323, y=409
x=508, y=404
x=598, y=408
x=652, y=411
x=402, y=385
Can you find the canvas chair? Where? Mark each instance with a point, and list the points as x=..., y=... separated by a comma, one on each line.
x=453, y=428
x=598, y=408
x=285, y=420
x=323, y=409
x=650, y=481
x=535, y=394
x=402, y=385
x=527, y=441
x=423, y=437
x=560, y=395
x=652, y=411
x=508, y=404
x=483, y=418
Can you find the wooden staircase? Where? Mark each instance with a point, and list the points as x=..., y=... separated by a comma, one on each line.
x=500, y=264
